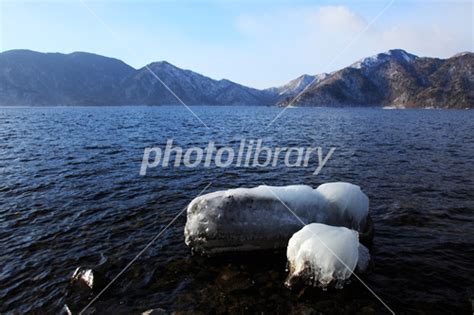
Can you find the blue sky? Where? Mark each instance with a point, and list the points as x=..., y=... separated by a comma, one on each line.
x=256, y=43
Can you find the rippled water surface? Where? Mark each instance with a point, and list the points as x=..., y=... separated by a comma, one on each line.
x=71, y=195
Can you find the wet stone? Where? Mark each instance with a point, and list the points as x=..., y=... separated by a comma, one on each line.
x=155, y=311
x=86, y=278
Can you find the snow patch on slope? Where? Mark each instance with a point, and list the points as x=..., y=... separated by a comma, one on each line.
x=297, y=85
x=378, y=59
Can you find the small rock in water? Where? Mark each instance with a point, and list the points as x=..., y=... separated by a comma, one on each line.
x=84, y=277
x=83, y=283
x=65, y=310
x=155, y=311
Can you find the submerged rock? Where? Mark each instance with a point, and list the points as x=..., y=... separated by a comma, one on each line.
x=367, y=234
x=65, y=310
x=86, y=278
x=155, y=311
x=265, y=217
x=322, y=255
x=83, y=276
x=83, y=284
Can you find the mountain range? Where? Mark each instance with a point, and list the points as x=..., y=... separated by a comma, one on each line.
x=394, y=78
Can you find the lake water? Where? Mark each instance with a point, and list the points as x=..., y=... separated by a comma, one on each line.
x=71, y=195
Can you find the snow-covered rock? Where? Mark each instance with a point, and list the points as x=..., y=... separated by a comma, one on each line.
x=321, y=255
x=364, y=258
x=265, y=217
x=347, y=203
x=250, y=218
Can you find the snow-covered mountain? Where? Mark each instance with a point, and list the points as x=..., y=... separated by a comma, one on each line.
x=394, y=78
x=295, y=86
x=376, y=60
x=33, y=78
x=191, y=87
x=397, y=79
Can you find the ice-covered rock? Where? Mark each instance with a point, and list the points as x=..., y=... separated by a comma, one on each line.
x=322, y=255
x=364, y=259
x=250, y=218
x=347, y=203
x=265, y=217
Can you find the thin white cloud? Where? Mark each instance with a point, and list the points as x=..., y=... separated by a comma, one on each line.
x=304, y=40
x=442, y=33
x=339, y=19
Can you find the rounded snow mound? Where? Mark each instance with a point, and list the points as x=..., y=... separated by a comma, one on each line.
x=346, y=203
x=320, y=255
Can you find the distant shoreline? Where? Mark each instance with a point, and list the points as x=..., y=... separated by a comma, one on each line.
x=260, y=106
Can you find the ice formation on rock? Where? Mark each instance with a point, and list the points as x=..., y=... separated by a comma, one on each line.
x=320, y=255
x=265, y=217
x=364, y=259
x=347, y=203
